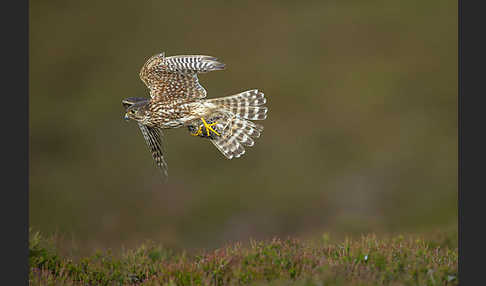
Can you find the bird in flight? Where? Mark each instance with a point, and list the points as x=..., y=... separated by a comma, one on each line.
x=177, y=99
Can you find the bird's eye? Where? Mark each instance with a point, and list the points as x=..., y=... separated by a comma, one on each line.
x=132, y=111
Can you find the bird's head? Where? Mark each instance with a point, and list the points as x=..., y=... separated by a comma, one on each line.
x=135, y=111
x=129, y=101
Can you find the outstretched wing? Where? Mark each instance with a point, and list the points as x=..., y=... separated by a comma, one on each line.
x=153, y=138
x=176, y=76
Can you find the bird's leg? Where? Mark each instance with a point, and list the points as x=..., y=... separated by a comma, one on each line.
x=198, y=132
x=209, y=127
x=203, y=127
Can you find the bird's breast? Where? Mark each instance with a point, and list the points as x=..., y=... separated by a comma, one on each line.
x=173, y=114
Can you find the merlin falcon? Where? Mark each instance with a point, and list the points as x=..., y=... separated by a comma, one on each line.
x=177, y=99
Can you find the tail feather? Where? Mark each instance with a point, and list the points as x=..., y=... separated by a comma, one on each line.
x=233, y=114
x=245, y=139
x=246, y=104
x=237, y=133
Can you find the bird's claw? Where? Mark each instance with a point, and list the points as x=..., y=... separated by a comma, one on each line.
x=208, y=129
x=198, y=132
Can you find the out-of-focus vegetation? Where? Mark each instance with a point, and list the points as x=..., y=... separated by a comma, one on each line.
x=361, y=134
x=369, y=260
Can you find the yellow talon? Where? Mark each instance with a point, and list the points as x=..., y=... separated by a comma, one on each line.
x=208, y=128
x=198, y=132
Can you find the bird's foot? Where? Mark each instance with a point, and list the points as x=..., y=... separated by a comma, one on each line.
x=209, y=127
x=207, y=132
x=197, y=133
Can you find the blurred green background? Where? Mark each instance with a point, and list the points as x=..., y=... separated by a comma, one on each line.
x=361, y=134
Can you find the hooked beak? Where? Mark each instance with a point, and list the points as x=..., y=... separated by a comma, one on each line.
x=126, y=117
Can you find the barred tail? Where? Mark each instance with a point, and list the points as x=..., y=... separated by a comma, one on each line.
x=246, y=105
x=237, y=129
x=237, y=134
